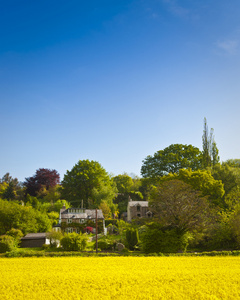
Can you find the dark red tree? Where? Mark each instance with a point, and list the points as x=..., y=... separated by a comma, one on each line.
x=43, y=178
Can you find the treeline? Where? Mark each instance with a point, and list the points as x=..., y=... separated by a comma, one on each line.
x=194, y=198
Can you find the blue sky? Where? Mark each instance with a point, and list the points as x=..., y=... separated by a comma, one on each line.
x=115, y=81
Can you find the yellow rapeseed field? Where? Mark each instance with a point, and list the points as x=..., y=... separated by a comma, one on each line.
x=120, y=278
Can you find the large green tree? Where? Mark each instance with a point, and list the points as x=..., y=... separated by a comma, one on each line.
x=89, y=182
x=171, y=160
x=25, y=218
x=177, y=205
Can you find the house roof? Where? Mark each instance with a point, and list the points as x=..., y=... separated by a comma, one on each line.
x=34, y=236
x=66, y=215
x=92, y=213
x=136, y=203
x=88, y=214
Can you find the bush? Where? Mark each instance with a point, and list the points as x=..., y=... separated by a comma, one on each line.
x=166, y=240
x=15, y=233
x=110, y=221
x=46, y=246
x=132, y=238
x=7, y=243
x=54, y=237
x=74, y=242
x=104, y=245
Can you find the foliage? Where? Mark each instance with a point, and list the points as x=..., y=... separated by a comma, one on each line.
x=16, y=234
x=10, y=188
x=7, y=243
x=229, y=176
x=210, y=155
x=43, y=179
x=53, y=217
x=203, y=181
x=171, y=160
x=132, y=238
x=122, y=226
x=54, y=237
x=88, y=182
x=157, y=238
x=27, y=219
x=124, y=183
x=175, y=204
x=104, y=244
x=9, y=193
x=234, y=163
x=74, y=241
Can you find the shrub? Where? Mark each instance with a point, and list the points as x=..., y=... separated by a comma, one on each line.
x=132, y=238
x=45, y=246
x=7, y=243
x=74, y=242
x=159, y=239
x=104, y=245
x=15, y=233
x=54, y=237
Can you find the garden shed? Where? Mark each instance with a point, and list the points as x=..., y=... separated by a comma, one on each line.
x=32, y=240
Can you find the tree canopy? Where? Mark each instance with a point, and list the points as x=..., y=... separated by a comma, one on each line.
x=89, y=182
x=171, y=160
x=43, y=178
x=176, y=204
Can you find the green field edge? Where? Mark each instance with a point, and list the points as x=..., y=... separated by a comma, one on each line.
x=43, y=253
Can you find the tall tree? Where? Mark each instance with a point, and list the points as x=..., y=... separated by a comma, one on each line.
x=44, y=178
x=210, y=152
x=178, y=205
x=202, y=181
x=88, y=181
x=171, y=160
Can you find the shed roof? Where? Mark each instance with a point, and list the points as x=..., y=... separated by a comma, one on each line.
x=34, y=236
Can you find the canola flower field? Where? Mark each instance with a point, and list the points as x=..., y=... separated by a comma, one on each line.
x=120, y=278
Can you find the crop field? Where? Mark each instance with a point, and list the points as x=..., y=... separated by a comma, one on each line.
x=120, y=278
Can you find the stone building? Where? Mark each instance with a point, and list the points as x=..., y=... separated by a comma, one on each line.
x=138, y=209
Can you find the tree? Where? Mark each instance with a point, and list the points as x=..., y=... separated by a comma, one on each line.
x=127, y=187
x=44, y=178
x=157, y=238
x=132, y=238
x=210, y=155
x=54, y=238
x=124, y=183
x=177, y=205
x=234, y=163
x=171, y=160
x=25, y=218
x=86, y=182
x=205, y=183
x=229, y=176
x=74, y=241
x=9, y=193
x=10, y=188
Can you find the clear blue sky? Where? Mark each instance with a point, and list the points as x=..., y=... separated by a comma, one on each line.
x=115, y=81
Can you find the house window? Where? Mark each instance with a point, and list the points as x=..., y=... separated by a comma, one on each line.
x=69, y=230
x=69, y=221
x=138, y=215
x=82, y=221
x=138, y=208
